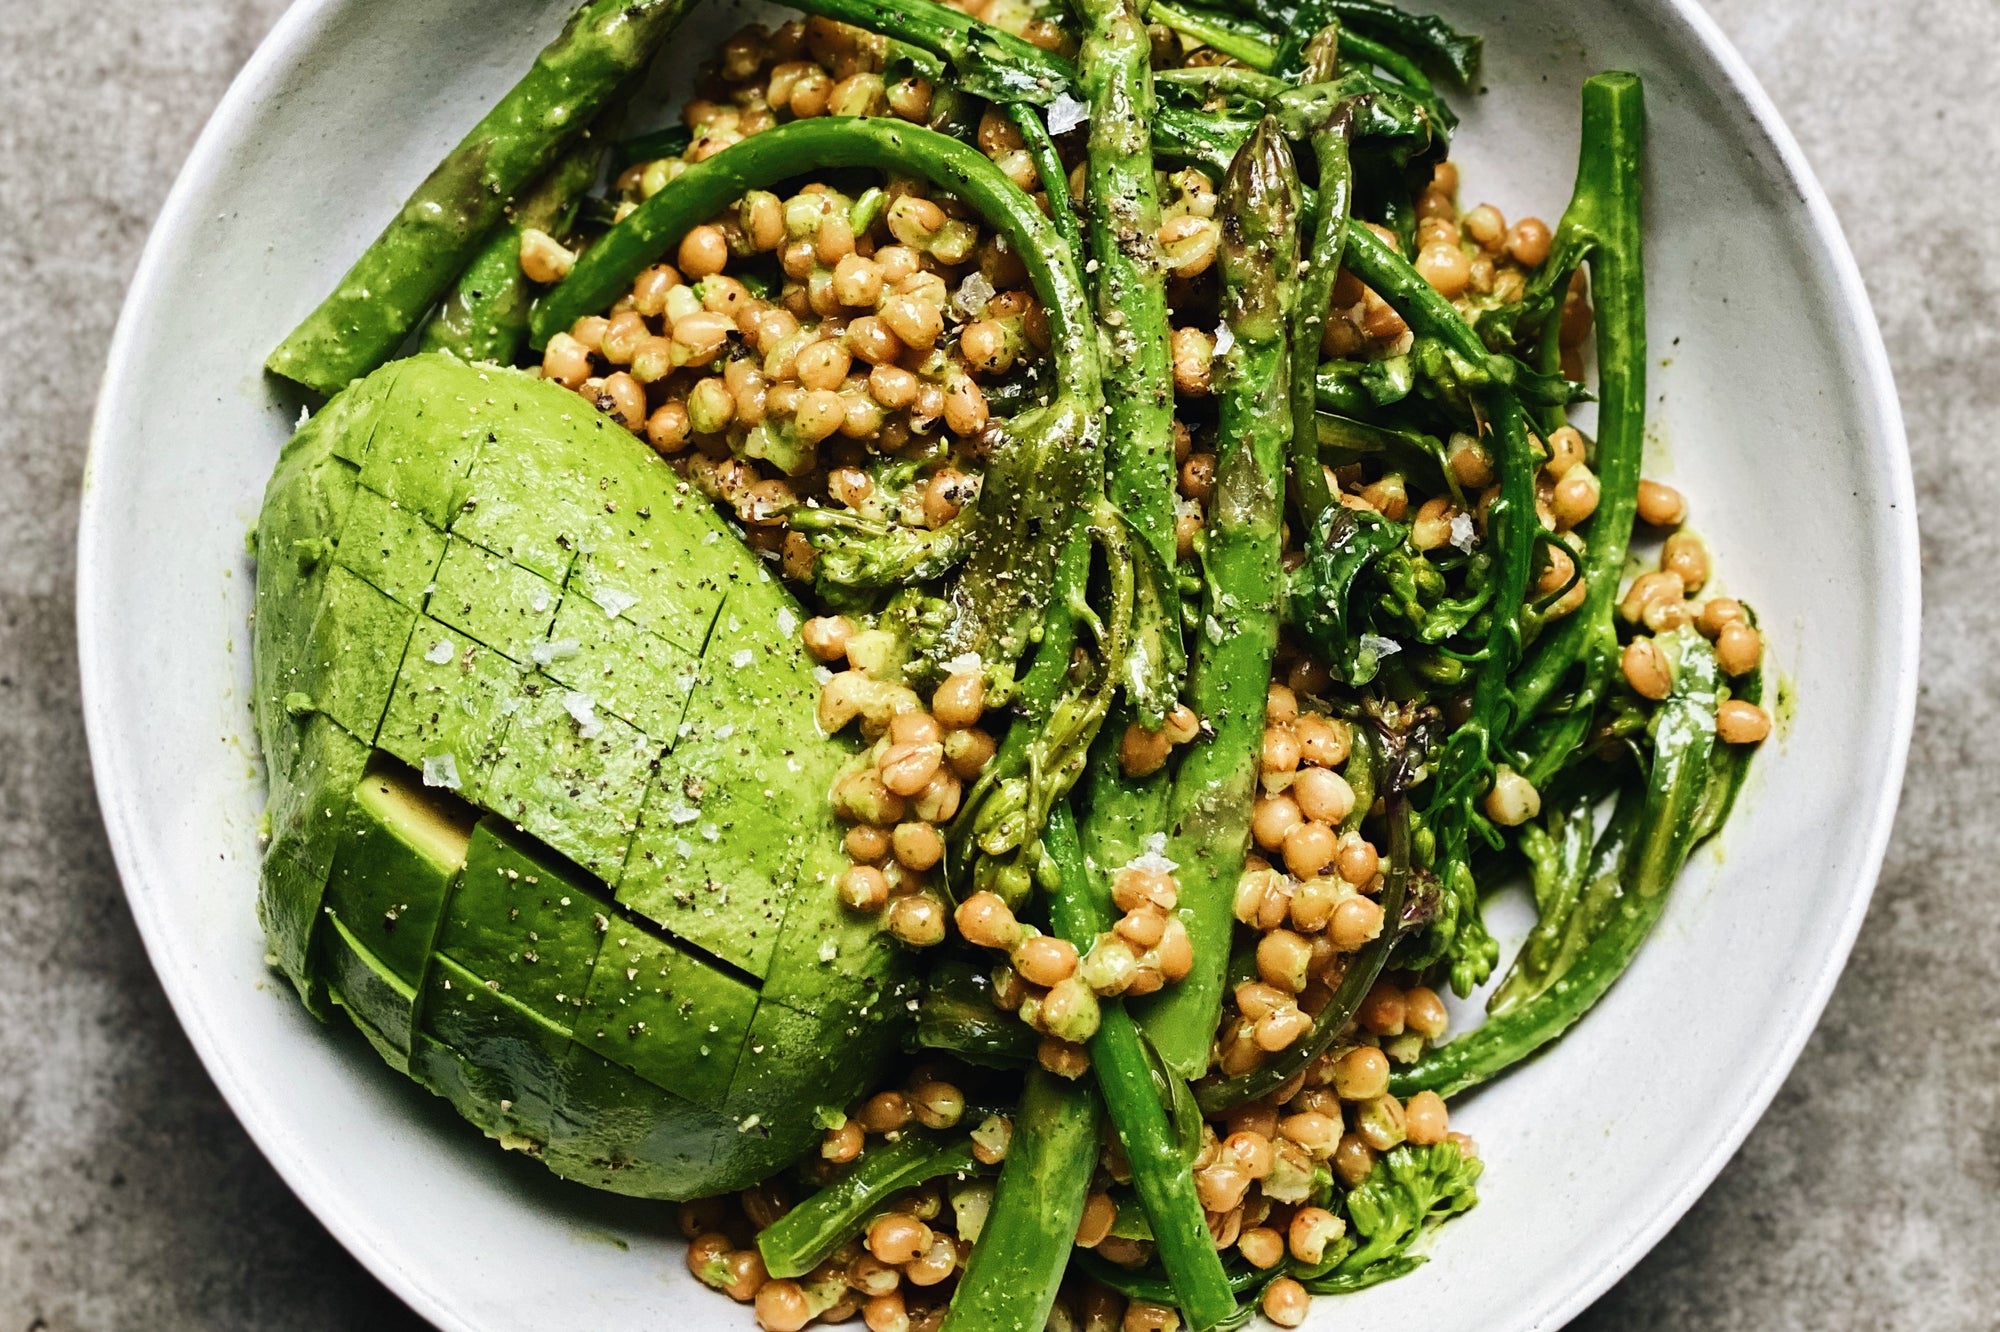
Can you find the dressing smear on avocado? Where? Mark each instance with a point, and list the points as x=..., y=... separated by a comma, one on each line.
x=934, y=664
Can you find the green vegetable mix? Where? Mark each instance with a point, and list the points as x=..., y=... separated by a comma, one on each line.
x=941, y=670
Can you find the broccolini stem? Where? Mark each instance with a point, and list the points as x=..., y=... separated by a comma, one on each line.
x=1676, y=794
x=1424, y=35
x=1603, y=225
x=1209, y=810
x=1080, y=910
x=1018, y=1261
x=1049, y=172
x=608, y=267
x=414, y=261
x=802, y=1238
x=1233, y=38
x=986, y=61
x=1467, y=762
x=1311, y=495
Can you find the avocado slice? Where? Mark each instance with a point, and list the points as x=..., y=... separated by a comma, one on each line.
x=397, y=861
x=502, y=652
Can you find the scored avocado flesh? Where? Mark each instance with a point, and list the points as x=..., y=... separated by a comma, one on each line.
x=548, y=800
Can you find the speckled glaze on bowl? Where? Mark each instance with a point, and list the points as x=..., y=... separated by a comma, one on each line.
x=1774, y=410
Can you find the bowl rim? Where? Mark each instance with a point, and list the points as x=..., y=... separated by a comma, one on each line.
x=304, y=1173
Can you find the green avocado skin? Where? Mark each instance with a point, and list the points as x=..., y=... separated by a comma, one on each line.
x=548, y=801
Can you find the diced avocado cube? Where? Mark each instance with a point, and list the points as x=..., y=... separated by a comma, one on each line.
x=390, y=546
x=381, y=1002
x=501, y=1064
x=524, y=921
x=631, y=672
x=573, y=776
x=304, y=509
x=683, y=589
x=428, y=432
x=527, y=497
x=349, y=418
x=502, y=605
x=394, y=1053
x=405, y=845
x=721, y=849
x=449, y=713
x=308, y=814
x=672, y=1019
x=713, y=862
x=796, y=1063
x=825, y=949
x=355, y=651
x=619, y=1132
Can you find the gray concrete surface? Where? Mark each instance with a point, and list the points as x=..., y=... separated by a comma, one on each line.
x=1869, y=1197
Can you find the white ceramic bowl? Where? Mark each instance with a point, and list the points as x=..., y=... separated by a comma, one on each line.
x=1775, y=412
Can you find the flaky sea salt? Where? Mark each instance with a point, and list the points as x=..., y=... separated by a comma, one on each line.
x=1066, y=113
x=615, y=600
x=1463, y=533
x=562, y=649
x=973, y=294
x=441, y=770
x=1380, y=646
x=441, y=652
x=582, y=709
x=741, y=659
x=1224, y=339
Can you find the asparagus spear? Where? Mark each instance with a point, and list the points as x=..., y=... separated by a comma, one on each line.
x=417, y=257
x=1131, y=289
x=1017, y=1263
x=485, y=317
x=1209, y=810
x=1079, y=910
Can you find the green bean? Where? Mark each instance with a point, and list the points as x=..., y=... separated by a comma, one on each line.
x=414, y=261
x=1209, y=810
x=1017, y=1263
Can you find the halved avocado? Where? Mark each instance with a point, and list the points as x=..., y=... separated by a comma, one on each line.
x=548, y=799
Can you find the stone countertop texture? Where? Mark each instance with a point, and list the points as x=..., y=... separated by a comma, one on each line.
x=1868, y=1198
